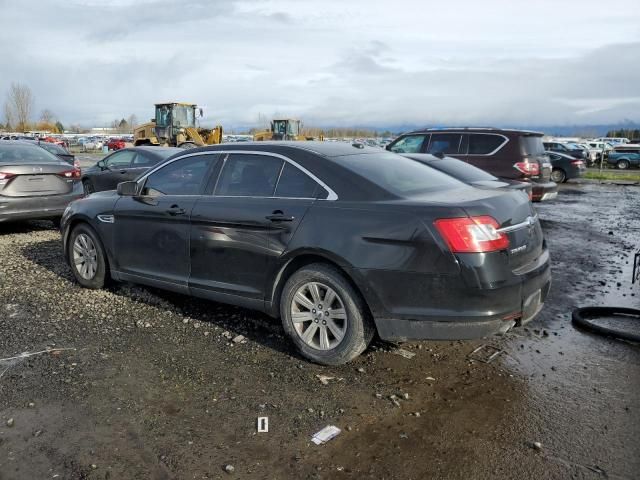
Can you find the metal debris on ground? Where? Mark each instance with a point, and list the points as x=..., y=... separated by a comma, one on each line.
x=485, y=353
x=403, y=353
x=326, y=434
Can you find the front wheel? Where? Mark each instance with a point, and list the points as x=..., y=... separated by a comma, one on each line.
x=622, y=164
x=87, y=257
x=324, y=316
x=558, y=175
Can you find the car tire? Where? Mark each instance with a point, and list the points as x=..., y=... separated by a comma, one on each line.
x=622, y=164
x=334, y=333
x=558, y=175
x=96, y=274
x=87, y=187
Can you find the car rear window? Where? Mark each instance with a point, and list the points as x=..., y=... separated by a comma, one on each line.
x=53, y=148
x=20, y=154
x=461, y=170
x=399, y=175
x=531, y=145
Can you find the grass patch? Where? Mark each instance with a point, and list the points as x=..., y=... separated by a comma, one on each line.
x=631, y=176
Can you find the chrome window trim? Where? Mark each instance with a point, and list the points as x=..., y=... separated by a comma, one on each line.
x=529, y=222
x=332, y=196
x=506, y=140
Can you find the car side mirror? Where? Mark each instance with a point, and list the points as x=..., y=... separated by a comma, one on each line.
x=388, y=147
x=127, y=189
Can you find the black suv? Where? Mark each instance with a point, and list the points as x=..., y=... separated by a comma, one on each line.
x=510, y=154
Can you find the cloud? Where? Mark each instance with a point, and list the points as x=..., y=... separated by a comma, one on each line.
x=330, y=63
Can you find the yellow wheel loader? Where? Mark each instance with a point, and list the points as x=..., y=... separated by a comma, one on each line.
x=175, y=126
x=282, y=129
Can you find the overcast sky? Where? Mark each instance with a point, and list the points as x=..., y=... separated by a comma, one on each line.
x=330, y=62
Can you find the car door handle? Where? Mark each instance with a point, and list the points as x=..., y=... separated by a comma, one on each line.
x=279, y=217
x=123, y=171
x=175, y=210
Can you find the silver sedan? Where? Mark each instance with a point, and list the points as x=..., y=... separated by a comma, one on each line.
x=35, y=184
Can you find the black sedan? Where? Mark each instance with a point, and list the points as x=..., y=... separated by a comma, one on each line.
x=340, y=241
x=122, y=165
x=60, y=152
x=468, y=173
x=565, y=167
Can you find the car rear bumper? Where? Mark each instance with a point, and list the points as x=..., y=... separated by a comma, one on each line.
x=24, y=208
x=544, y=191
x=450, y=309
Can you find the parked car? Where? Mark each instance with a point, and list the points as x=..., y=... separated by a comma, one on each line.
x=511, y=154
x=122, y=165
x=467, y=173
x=115, y=144
x=565, y=167
x=624, y=157
x=337, y=240
x=612, y=140
x=35, y=184
x=566, y=148
x=60, y=152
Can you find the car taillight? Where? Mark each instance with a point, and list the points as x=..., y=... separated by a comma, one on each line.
x=577, y=162
x=527, y=168
x=75, y=173
x=472, y=234
x=6, y=176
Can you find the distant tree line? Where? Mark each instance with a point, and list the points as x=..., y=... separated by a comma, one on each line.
x=630, y=133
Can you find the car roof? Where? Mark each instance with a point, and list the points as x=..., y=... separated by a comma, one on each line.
x=478, y=130
x=560, y=154
x=158, y=151
x=326, y=149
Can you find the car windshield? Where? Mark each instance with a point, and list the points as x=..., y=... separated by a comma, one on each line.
x=399, y=175
x=20, y=154
x=531, y=145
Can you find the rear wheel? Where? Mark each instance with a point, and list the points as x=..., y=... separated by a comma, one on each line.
x=324, y=316
x=622, y=164
x=87, y=258
x=88, y=187
x=558, y=175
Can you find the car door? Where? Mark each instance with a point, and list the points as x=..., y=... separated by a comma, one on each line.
x=151, y=229
x=481, y=152
x=113, y=170
x=243, y=228
x=445, y=144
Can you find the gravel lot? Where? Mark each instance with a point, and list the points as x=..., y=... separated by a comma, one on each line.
x=158, y=385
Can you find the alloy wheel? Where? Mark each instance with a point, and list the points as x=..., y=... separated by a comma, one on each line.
x=85, y=256
x=318, y=316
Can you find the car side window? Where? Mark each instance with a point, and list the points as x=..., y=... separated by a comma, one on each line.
x=181, y=177
x=408, y=144
x=294, y=183
x=481, y=144
x=143, y=160
x=246, y=175
x=446, y=143
x=120, y=159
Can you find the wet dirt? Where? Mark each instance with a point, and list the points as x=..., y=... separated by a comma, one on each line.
x=156, y=388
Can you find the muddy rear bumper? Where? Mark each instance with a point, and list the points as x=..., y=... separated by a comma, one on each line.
x=478, y=313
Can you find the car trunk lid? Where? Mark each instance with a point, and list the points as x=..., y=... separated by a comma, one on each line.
x=32, y=180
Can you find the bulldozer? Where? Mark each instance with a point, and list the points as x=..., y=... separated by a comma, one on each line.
x=175, y=126
x=282, y=129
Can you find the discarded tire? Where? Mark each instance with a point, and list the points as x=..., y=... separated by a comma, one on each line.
x=582, y=317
